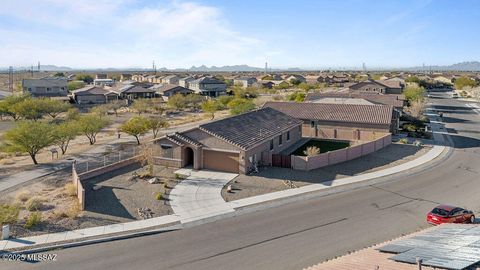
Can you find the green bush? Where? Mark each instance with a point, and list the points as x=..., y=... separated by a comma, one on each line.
x=8, y=214
x=33, y=220
x=34, y=204
x=158, y=196
x=410, y=127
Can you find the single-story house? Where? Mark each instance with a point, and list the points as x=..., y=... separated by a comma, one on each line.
x=236, y=144
x=101, y=76
x=383, y=87
x=341, y=121
x=93, y=95
x=135, y=91
x=297, y=77
x=168, y=90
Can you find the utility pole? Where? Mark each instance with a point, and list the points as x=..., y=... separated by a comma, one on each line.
x=154, y=67
x=266, y=68
x=10, y=79
x=38, y=68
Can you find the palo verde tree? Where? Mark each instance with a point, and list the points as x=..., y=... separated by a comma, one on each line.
x=29, y=137
x=90, y=125
x=7, y=105
x=155, y=124
x=64, y=133
x=136, y=127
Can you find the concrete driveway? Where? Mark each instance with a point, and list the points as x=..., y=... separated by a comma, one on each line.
x=200, y=195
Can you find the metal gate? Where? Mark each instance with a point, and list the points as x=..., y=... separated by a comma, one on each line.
x=281, y=161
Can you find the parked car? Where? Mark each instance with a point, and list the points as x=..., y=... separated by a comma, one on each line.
x=454, y=95
x=450, y=214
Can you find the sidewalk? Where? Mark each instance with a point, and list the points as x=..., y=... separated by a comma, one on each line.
x=199, y=198
x=86, y=233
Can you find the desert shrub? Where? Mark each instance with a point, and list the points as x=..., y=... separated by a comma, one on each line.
x=8, y=213
x=158, y=196
x=312, y=151
x=22, y=196
x=403, y=140
x=410, y=127
x=70, y=189
x=33, y=220
x=74, y=210
x=165, y=185
x=34, y=203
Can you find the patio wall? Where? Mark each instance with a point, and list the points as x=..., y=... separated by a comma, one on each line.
x=78, y=178
x=339, y=156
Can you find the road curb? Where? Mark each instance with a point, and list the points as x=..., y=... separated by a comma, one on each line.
x=92, y=241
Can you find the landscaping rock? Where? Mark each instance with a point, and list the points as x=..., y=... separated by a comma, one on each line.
x=153, y=180
x=145, y=213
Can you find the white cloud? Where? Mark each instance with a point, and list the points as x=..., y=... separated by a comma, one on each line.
x=117, y=33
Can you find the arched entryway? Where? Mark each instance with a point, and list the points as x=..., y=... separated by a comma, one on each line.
x=189, y=159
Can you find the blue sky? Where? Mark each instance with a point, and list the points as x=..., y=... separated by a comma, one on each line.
x=178, y=33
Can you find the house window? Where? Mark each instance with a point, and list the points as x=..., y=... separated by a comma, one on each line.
x=288, y=135
x=167, y=150
x=280, y=139
x=312, y=124
x=48, y=89
x=271, y=145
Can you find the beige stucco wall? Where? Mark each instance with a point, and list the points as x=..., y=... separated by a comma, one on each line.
x=209, y=141
x=266, y=158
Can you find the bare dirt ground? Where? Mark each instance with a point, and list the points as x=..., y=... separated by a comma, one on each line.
x=117, y=200
x=271, y=179
x=12, y=163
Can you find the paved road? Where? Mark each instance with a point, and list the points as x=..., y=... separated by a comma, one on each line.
x=305, y=233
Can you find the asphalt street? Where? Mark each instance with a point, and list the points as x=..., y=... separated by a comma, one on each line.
x=305, y=233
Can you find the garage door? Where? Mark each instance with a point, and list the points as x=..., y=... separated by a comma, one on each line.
x=220, y=161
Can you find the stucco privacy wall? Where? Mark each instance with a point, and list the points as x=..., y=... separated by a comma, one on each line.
x=78, y=178
x=338, y=156
x=344, y=132
x=78, y=187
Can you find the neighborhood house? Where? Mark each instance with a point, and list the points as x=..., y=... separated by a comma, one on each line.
x=45, y=87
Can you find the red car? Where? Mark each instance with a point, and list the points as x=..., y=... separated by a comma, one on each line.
x=450, y=214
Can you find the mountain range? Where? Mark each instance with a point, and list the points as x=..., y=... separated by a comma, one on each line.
x=463, y=66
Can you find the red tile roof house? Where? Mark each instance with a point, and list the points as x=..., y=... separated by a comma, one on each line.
x=341, y=121
x=239, y=143
x=234, y=144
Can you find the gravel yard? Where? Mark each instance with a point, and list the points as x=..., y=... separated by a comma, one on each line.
x=271, y=179
x=120, y=197
x=117, y=200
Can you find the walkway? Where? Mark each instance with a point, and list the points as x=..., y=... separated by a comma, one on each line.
x=199, y=195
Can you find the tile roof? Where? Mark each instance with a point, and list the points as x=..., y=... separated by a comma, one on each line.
x=249, y=129
x=45, y=82
x=396, y=101
x=138, y=89
x=207, y=80
x=347, y=113
x=167, y=87
x=90, y=90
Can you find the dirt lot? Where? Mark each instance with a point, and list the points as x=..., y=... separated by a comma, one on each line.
x=271, y=179
x=116, y=201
